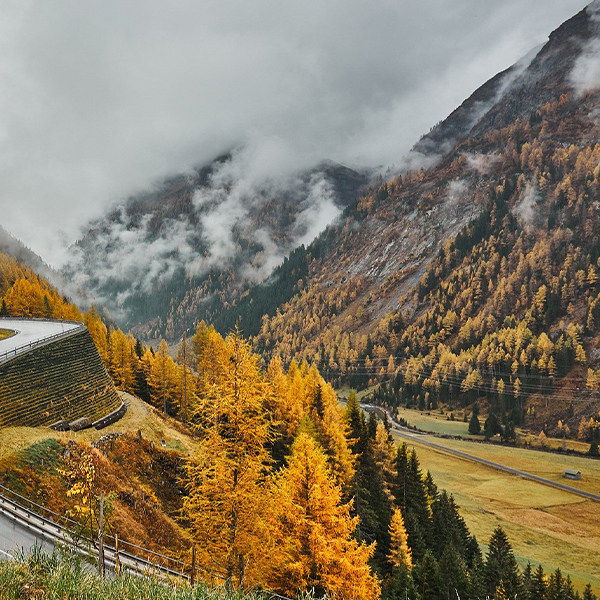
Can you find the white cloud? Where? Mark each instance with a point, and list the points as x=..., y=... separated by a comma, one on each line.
x=129, y=254
x=585, y=76
x=526, y=208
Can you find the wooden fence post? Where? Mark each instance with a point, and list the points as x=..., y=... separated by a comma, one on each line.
x=101, y=569
x=193, y=572
x=117, y=560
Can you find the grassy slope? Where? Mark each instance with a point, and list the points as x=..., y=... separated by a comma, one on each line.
x=544, y=525
x=144, y=479
x=139, y=416
x=6, y=333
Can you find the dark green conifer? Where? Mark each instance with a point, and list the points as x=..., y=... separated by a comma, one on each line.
x=501, y=565
x=474, y=425
x=539, y=585
x=426, y=577
x=454, y=574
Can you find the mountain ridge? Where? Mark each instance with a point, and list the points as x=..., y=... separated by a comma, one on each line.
x=165, y=259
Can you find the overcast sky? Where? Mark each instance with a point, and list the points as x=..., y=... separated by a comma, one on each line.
x=101, y=98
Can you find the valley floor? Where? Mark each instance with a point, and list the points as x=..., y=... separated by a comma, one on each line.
x=546, y=526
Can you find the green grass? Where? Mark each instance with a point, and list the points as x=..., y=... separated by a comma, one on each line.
x=59, y=575
x=435, y=422
x=6, y=333
x=545, y=525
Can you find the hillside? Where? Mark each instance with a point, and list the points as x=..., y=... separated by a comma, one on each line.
x=481, y=270
x=276, y=485
x=167, y=258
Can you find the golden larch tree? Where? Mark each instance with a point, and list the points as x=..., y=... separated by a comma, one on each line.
x=122, y=357
x=400, y=554
x=163, y=380
x=228, y=481
x=314, y=532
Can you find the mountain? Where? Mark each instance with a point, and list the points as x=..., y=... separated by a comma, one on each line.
x=166, y=258
x=14, y=248
x=476, y=278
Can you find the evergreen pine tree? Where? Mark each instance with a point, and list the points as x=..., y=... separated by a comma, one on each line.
x=426, y=577
x=527, y=583
x=454, y=574
x=557, y=586
x=539, y=585
x=501, y=565
x=474, y=425
x=449, y=528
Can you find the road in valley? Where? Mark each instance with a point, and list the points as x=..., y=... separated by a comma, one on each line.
x=420, y=438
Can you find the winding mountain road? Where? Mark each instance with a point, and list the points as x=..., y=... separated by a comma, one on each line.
x=21, y=530
x=32, y=333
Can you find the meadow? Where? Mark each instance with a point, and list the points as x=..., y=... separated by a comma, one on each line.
x=545, y=525
x=140, y=416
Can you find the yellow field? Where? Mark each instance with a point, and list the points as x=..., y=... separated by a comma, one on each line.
x=545, y=464
x=545, y=525
x=6, y=333
x=435, y=422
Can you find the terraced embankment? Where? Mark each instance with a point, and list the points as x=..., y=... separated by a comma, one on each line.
x=53, y=375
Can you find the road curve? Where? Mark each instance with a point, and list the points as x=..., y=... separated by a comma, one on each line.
x=30, y=331
x=561, y=486
x=22, y=530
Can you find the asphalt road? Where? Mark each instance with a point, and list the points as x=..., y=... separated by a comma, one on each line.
x=420, y=439
x=21, y=531
x=30, y=331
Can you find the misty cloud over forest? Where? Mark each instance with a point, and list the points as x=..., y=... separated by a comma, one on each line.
x=98, y=99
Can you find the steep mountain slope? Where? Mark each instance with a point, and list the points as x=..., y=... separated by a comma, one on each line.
x=445, y=268
x=15, y=249
x=165, y=259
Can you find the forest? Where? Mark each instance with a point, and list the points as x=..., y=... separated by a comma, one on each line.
x=288, y=491
x=507, y=311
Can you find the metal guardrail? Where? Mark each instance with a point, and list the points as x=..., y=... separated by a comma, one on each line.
x=67, y=528
x=155, y=564
x=24, y=348
x=161, y=565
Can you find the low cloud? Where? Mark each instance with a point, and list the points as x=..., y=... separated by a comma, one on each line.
x=100, y=98
x=482, y=163
x=526, y=209
x=585, y=76
x=241, y=221
x=456, y=190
